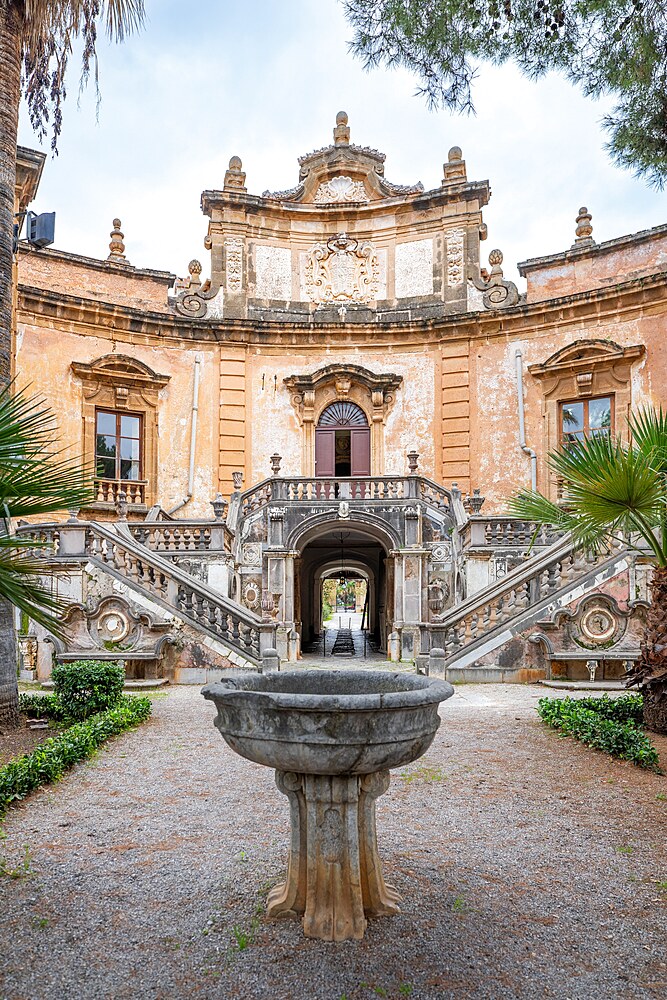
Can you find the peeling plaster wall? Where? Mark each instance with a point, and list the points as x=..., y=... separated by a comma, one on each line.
x=43, y=363
x=598, y=267
x=95, y=279
x=498, y=465
x=275, y=426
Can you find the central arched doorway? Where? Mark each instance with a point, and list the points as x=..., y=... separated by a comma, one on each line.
x=352, y=552
x=342, y=441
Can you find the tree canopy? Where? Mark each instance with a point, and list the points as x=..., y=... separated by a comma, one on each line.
x=605, y=47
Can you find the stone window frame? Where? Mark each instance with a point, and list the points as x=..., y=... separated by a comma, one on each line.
x=311, y=394
x=585, y=369
x=119, y=383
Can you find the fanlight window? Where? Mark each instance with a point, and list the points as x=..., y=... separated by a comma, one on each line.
x=343, y=414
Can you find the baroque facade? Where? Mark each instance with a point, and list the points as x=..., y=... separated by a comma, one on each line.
x=352, y=390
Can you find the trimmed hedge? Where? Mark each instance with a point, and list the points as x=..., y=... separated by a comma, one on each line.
x=86, y=687
x=607, y=724
x=51, y=759
x=38, y=706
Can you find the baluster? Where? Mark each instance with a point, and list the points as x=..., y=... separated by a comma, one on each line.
x=236, y=635
x=199, y=606
x=523, y=595
x=212, y=616
x=187, y=601
x=224, y=624
x=253, y=634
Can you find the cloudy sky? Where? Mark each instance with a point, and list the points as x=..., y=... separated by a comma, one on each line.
x=264, y=79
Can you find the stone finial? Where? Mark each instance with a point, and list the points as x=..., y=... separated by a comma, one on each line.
x=117, y=247
x=584, y=233
x=218, y=504
x=341, y=133
x=235, y=175
x=237, y=479
x=194, y=267
x=275, y=460
x=495, y=260
x=455, y=168
x=413, y=461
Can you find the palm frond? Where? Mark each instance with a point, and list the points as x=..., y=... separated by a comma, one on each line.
x=649, y=436
x=609, y=484
x=22, y=585
x=611, y=490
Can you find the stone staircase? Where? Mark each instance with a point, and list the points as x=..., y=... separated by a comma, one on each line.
x=474, y=631
x=239, y=635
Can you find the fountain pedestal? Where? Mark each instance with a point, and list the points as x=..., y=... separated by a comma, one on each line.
x=331, y=736
x=334, y=880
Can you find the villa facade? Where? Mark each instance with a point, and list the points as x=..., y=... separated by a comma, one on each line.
x=347, y=387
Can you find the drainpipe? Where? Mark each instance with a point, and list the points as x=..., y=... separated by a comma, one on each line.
x=193, y=439
x=518, y=359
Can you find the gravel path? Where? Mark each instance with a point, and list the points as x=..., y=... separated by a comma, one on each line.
x=529, y=866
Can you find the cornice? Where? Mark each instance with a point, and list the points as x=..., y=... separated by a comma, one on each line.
x=600, y=306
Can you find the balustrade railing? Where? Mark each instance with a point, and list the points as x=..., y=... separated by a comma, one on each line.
x=108, y=490
x=174, y=537
x=256, y=497
x=498, y=531
x=539, y=578
x=434, y=494
x=352, y=488
x=46, y=538
x=158, y=578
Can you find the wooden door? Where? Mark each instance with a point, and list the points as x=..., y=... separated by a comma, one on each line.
x=360, y=451
x=325, y=451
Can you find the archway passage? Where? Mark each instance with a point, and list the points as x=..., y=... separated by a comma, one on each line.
x=361, y=561
x=342, y=441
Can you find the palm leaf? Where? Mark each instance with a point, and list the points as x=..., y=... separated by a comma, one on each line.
x=649, y=435
x=21, y=584
x=611, y=490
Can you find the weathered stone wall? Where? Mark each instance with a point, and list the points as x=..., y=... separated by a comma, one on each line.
x=120, y=284
x=597, y=266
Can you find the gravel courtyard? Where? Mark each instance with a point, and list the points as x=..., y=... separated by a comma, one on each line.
x=529, y=867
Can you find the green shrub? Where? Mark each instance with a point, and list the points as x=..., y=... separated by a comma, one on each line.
x=86, y=687
x=604, y=724
x=38, y=706
x=50, y=759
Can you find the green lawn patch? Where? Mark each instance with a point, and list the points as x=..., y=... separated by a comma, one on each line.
x=612, y=725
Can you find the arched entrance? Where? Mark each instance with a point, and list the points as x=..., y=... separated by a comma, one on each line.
x=342, y=441
x=352, y=551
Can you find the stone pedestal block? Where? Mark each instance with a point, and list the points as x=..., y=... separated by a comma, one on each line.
x=334, y=879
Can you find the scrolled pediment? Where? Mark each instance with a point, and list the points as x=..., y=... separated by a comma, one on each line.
x=584, y=354
x=119, y=369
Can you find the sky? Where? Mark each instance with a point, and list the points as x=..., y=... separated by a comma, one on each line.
x=264, y=80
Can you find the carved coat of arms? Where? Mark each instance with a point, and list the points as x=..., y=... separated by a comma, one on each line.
x=342, y=270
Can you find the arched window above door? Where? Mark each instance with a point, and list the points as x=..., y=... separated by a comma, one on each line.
x=348, y=401
x=343, y=414
x=342, y=441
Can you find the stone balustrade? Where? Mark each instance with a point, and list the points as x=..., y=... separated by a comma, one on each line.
x=537, y=579
x=109, y=490
x=497, y=531
x=352, y=488
x=159, y=579
x=171, y=537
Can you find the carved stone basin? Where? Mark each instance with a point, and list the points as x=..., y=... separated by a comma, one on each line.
x=331, y=735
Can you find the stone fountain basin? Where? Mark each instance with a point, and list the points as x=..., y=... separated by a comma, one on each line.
x=329, y=722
